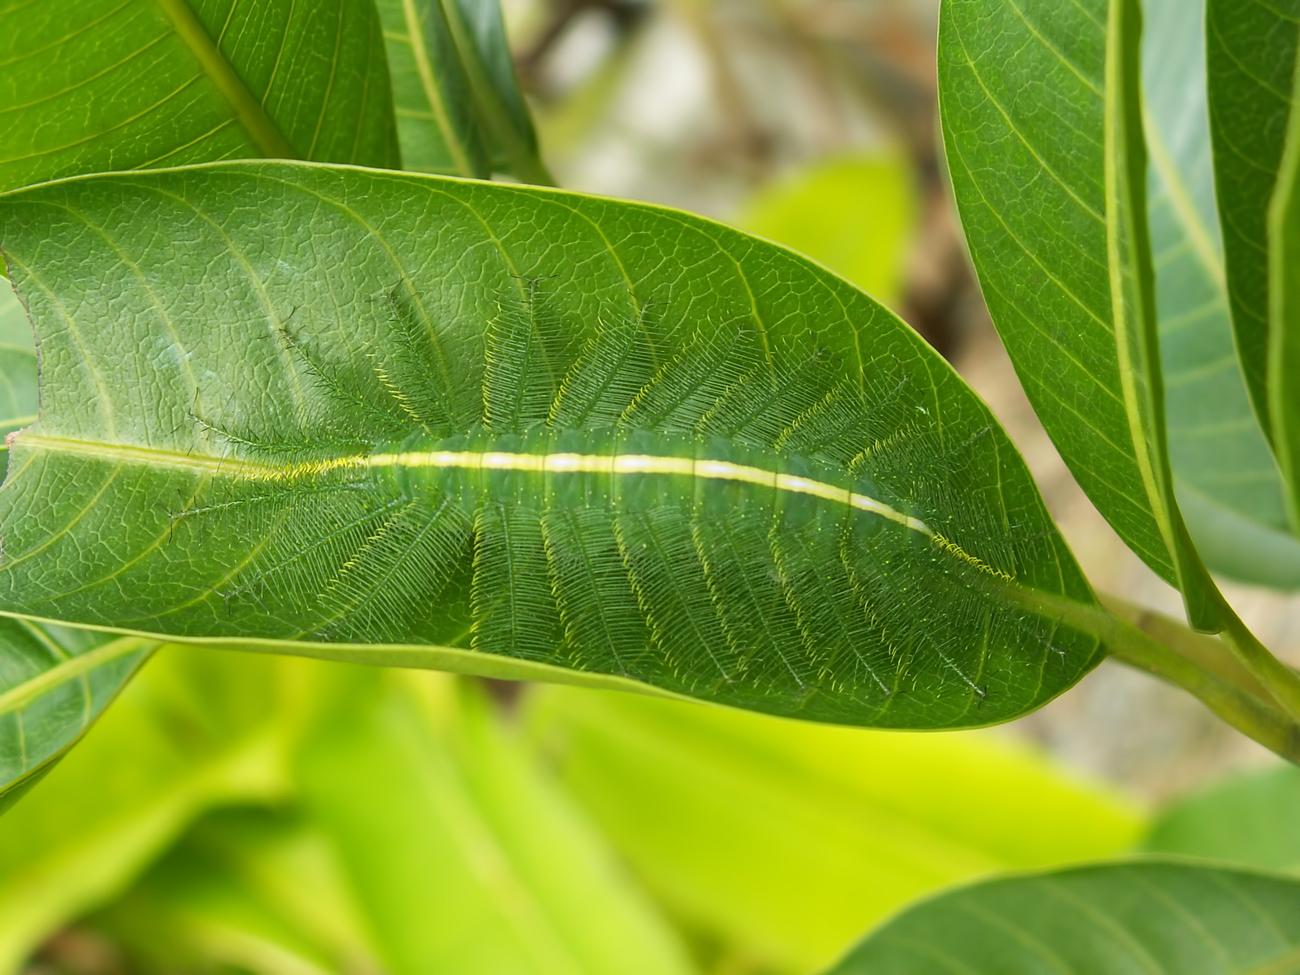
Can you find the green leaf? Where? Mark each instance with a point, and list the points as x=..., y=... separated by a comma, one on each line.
x=461, y=856
x=248, y=889
x=783, y=841
x=54, y=682
x=109, y=85
x=194, y=729
x=856, y=215
x=459, y=108
x=1225, y=477
x=481, y=35
x=1284, y=306
x=1041, y=119
x=1250, y=59
x=1172, y=918
x=1248, y=819
x=436, y=119
x=379, y=422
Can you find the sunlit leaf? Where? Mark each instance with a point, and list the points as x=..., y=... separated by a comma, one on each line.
x=1043, y=131
x=1171, y=918
x=1226, y=479
x=783, y=841
x=126, y=84
x=854, y=215
x=1250, y=59
x=246, y=888
x=463, y=859
x=194, y=729
x=495, y=429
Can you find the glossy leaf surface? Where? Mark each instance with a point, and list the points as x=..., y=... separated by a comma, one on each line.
x=1250, y=59
x=193, y=730
x=1226, y=479
x=473, y=862
x=517, y=432
x=107, y=85
x=1172, y=918
x=1042, y=127
x=732, y=819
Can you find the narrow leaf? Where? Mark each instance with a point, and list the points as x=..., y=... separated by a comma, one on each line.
x=1042, y=125
x=732, y=819
x=1284, y=307
x=481, y=34
x=510, y=431
x=1250, y=58
x=470, y=861
x=108, y=85
x=1226, y=479
x=1172, y=918
x=436, y=120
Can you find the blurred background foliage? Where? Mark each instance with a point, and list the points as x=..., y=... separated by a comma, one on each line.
x=234, y=813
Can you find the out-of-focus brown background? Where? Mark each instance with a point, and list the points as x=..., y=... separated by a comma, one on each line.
x=814, y=123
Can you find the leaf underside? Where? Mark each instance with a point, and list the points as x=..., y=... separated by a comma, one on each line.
x=395, y=414
x=1226, y=478
x=1042, y=132
x=1134, y=917
x=1250, y=60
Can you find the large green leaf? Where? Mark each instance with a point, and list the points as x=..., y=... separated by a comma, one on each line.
x=459, y=109
x=1249, y=819
x=96, y=85
x=1250, y=58
x=402, y=419
x=462, y=858
x=53, y=681
x=192, y=730
x=1226, y=479
x=1040, y=105
x=781, y=842
x=1284, y=306
x=1143, y=917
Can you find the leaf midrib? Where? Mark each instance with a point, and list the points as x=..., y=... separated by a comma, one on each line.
x=261, y=129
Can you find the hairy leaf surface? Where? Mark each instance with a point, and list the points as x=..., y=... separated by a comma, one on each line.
x=511, y=431
x=1139, y=917
x=1226, y=479
x=101, y=85
x=53, y=681
x=1250, y=58
x=1043, y=132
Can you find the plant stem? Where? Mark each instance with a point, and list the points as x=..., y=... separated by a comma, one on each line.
x=1282, y=682
x=1271, y=727
x=1204, y=651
